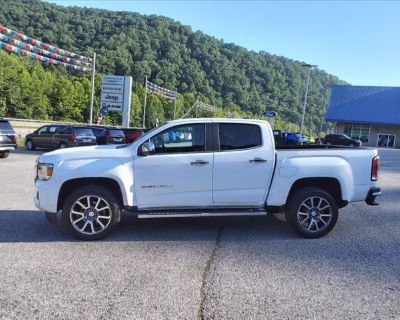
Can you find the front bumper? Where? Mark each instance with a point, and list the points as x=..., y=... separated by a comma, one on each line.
x=372, y=194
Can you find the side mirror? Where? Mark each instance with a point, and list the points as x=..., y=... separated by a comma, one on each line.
x=147, y=148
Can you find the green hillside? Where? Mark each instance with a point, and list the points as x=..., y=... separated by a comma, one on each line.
x=171, y=54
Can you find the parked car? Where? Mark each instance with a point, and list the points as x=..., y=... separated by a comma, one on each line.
x=108, y=135
x=132, y=134
x=295, y=138
x=341, y=140
x=60, y=136
x=221, y=167
x=8, y=138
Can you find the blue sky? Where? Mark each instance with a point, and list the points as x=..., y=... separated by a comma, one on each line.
x=359, y=41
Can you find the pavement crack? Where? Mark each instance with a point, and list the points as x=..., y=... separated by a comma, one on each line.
x=205, y=275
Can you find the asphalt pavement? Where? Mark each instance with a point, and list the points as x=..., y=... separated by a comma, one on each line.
x=205, y=268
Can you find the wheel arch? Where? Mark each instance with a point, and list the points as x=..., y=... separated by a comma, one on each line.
x=330, y=185
x=73, y=184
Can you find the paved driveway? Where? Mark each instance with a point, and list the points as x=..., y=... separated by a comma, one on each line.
x=221, y=268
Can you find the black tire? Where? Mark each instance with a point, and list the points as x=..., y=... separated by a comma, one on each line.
x=4, y=155
x=62, y=145
x=88, y=221
x=30, y=145
x=300, y=217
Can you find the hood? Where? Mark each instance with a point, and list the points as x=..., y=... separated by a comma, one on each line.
x=91, y=152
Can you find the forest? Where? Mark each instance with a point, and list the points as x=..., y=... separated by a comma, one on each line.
x=234, y=79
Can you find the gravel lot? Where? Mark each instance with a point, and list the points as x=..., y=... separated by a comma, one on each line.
x=221, y=268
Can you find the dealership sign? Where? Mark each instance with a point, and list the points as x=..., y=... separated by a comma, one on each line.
x=116, y=96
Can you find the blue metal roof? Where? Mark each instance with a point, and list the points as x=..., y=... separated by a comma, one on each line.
x=380, y=105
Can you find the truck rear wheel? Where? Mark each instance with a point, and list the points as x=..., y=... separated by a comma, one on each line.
x=91, y=212
x=4, y=154
x=311, y=212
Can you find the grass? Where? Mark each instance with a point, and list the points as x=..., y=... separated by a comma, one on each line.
x=20, y=142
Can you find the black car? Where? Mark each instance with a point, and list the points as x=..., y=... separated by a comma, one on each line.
x=8, y=138
x=341, y=140
x=60, y=136
x=108, y=135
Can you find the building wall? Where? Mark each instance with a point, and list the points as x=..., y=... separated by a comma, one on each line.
x=375, y=131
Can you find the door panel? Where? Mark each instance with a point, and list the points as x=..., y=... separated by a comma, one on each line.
x=165, y=181
x=179, y=173
x=242, y=172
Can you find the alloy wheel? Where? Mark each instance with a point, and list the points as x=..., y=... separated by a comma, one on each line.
x=90, y=214
x=314, y=214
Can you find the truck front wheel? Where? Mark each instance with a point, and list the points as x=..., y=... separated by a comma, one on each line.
x=311, y=212
x=91, y=212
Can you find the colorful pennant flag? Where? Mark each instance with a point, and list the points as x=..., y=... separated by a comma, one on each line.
x=42, y=52
x=46, y=46
x=39, y=57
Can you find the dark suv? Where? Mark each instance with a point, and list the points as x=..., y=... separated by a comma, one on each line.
x=341, y=140
x=108, y=135
x=60, y=136
x=8, y=138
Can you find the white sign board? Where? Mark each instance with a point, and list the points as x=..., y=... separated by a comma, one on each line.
x=116, y=96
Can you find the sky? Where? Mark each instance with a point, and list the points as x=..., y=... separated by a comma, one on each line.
x=358, y=41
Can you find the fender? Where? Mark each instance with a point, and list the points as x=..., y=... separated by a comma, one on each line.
x=293, y=169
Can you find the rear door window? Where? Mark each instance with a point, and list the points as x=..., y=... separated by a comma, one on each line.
x=53, y=129
x=65, y=130
x=238, y=136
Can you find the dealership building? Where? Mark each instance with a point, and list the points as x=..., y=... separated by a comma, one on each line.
x=370, y=114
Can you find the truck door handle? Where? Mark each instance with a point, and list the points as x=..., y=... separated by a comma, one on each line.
x=257, y=160
x=199, y=163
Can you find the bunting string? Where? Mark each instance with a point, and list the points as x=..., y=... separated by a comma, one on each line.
x=39, y=57
x=42, y=45
x=163, y=92
x=206, y=106
x=26, y=46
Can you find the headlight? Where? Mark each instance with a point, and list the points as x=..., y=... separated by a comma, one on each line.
x=44, y=171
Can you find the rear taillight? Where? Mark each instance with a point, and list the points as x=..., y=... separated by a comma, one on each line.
x=73, y=137
x=375, y=168
x=14, y=138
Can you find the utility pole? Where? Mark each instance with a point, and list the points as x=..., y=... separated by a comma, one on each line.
x=309, y=66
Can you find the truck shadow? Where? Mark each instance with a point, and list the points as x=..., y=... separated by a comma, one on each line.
x=32, y=226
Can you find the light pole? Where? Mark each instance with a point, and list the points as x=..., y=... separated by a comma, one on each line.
x=326, y=84
x=309, y=66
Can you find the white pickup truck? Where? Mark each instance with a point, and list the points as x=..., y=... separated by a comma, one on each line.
x=204, y=167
